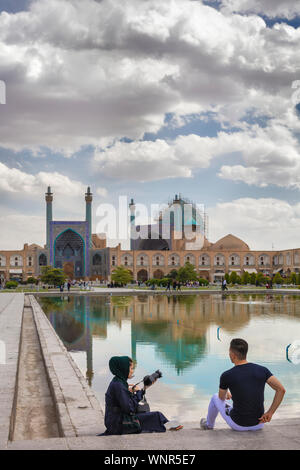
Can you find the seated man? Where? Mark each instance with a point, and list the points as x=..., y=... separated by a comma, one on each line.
x=246, y=382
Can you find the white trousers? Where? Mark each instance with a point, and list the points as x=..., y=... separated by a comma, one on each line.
x=223, y=407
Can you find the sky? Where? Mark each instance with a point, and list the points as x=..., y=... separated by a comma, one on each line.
x=147, y=99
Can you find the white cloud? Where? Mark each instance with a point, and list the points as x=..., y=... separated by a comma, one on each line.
x=147, y=160
x=84, y=72
x=271, y=8
x=15, y=180
x=102, y=192
x=259, y=222
x=31, y=228
x=269, y=155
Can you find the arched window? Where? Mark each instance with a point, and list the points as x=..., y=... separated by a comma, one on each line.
x=16, y=260
x=96, y=259
x=42, y=260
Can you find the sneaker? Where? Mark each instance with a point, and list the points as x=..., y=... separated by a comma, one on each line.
x=203, y=425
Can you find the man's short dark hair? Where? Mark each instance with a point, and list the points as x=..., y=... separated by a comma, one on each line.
x=239, y=347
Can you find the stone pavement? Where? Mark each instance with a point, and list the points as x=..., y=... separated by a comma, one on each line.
x=275, y=436
x=11, y=311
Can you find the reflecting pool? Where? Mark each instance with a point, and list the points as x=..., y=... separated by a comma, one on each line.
x=187, y=337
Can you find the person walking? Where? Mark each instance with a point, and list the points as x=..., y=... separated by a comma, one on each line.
x=245, y=385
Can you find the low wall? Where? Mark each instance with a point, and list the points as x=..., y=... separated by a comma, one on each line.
x=78, y=410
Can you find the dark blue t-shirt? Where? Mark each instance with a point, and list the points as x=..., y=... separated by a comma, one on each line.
x=246, y=384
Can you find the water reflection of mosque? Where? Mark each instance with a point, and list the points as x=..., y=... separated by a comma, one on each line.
x=175, y=325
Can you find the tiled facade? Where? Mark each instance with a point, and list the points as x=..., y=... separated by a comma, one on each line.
x=72, y=246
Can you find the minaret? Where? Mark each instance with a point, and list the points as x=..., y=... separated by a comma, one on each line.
x=49, y=199
x=88, y=211
x=132, y=223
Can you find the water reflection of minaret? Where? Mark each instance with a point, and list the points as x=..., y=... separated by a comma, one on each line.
x=89, y=342
x=133, y=342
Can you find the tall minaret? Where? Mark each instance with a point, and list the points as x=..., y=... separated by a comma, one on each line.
x=49, y=199
x=132, y=223
x=88, y=211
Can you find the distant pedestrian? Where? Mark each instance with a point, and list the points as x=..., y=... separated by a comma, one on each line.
x=168, y=286
x=69, y=286
x=224, y=285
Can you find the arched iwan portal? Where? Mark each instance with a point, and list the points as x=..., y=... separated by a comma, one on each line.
x=69, y=253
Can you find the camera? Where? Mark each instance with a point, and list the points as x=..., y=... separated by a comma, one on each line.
x=150, y=379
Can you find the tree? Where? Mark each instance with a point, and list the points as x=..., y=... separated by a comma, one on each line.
x=121, y=275
x=203, y=281
x=11, y=285
x=245, y=278
x=233, y=278
x=172, y=274
x=277, y=279
x=260, y=278
x=293, y=278
x=187, y=273
x=227, y=278
x=53, y=276
x=252, y=278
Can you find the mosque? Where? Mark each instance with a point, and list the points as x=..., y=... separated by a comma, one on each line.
x=72, y=246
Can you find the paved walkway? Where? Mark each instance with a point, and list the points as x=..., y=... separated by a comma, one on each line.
x=284, y=435
x=11, y=310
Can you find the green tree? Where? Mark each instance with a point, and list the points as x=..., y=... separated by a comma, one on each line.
x=53, y=276
x=293, y=278
x=260, y=278
x=187, y=273
x=203, y=281
x=121, y=275
x=32, y=280
x=252, y=278
x=11, y=285
x=245, y=278
x=233, y=278
x=277, y=279
x=227, y=278
x=172, y=274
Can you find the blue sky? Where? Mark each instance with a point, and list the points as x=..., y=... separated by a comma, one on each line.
x=146, y=99
x=13, y=6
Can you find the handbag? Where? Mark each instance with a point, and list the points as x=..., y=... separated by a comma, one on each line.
x=143, y=406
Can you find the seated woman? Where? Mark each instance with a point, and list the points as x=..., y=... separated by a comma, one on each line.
x=121, y=403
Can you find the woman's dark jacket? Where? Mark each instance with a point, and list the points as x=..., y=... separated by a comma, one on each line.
x=119, y=401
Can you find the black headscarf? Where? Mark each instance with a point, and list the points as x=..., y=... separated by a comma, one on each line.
x=119, y=367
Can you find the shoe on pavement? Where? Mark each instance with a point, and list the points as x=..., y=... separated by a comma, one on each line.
x=203, y=425
x=176, y=428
